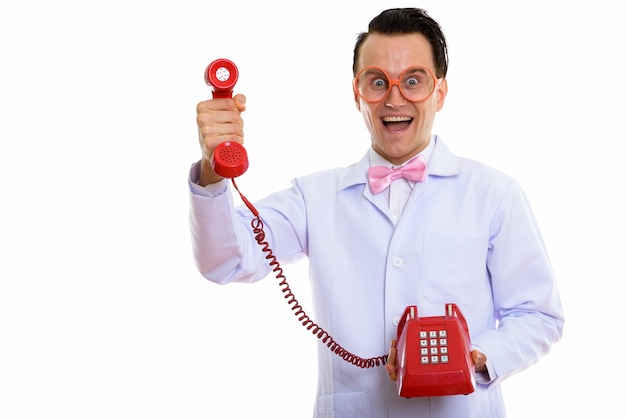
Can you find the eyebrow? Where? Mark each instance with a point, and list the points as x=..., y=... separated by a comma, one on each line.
x=372, y=70
x=416, y=69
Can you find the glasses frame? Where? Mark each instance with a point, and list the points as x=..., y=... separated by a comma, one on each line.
x=395, y=82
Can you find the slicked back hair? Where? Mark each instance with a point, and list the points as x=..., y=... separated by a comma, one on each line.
x=406, y=21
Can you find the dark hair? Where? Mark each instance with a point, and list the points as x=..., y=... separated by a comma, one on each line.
x=405, y=21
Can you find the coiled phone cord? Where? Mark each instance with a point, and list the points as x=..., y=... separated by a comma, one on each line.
x=305, y=320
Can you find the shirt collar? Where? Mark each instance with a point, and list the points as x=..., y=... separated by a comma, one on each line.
x=441, y=162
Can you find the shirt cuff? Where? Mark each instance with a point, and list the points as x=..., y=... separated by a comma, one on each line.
x=210, y=190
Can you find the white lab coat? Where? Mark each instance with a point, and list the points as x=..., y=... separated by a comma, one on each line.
x=467, y=235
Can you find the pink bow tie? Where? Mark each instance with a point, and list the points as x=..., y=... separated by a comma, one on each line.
x=380, y=177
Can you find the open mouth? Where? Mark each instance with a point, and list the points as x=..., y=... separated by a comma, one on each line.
x=397, y=122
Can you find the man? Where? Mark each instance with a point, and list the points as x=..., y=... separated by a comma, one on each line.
x=453, y=231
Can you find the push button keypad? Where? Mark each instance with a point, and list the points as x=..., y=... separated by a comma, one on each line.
x=433, y=346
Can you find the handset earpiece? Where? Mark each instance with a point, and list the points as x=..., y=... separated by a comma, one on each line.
x=221, y=75
x=230, y=159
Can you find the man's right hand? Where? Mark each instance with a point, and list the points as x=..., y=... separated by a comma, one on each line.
x=219, y=120
x=391, y=366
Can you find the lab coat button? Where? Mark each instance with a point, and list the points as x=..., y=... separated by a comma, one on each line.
x=398, y=262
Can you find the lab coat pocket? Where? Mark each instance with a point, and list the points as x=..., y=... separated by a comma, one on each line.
x=453, y=266
x=343, y=405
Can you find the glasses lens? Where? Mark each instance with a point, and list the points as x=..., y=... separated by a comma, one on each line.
x=415, y=83
x=373, y=84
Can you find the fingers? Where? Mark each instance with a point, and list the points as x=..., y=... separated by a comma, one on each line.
x=240, y=102
x=237, y=103
x=220, y=117
x=480, y=360
x=219, y=120
x=391, y=365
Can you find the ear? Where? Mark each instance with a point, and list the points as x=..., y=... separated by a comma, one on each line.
x=357, y=98
x=442, y=92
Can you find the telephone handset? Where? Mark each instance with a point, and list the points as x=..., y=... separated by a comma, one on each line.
x=230, y=159
x=434, y=354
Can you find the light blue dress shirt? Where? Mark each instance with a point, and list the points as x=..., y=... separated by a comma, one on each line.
x=466, y=235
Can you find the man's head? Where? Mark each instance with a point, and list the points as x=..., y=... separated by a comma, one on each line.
x=403, y=56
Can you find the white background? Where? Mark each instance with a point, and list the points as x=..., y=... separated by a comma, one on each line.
x=102, y=312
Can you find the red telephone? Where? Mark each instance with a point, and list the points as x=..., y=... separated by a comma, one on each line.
x=230, y=159
x=434, y=354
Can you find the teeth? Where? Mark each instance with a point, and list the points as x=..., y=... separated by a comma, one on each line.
x=396, y=119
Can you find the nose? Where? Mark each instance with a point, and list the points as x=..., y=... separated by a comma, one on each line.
x=395, y=98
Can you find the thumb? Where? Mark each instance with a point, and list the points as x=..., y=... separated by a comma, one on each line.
x=240, y=102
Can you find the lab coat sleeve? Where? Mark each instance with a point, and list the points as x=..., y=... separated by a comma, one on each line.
x=527, y=303
x=225, y=246
x=213, y=225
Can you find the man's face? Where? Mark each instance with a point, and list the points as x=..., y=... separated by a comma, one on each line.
x=399, y=128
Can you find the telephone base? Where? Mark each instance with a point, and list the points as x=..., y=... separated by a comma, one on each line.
x=424, y=384
x=434, y=355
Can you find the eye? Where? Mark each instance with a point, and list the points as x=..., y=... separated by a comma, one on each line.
x=379, y=83
x=412, y=82
x=416, y=78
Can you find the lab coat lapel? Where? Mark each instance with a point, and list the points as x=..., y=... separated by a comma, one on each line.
x=358, y=176
x=441, y=163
